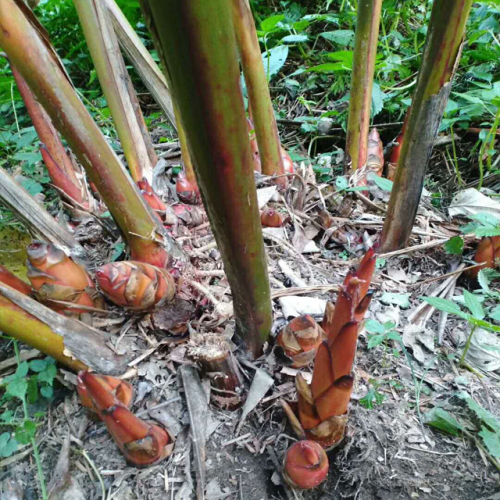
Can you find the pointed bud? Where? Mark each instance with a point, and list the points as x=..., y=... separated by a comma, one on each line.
x=187, y=191
x=287, y=161
x=13, y=281
x=300, y=340
x=271, y=218
x=488, y=252
x=56, y=277
x=135, y=285
x=306, y=465
x=375, y=153
x=152, y=199
x=141, y=443
x=257, y=166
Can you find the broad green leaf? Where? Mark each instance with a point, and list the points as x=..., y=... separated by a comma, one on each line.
x=340, y=37
x=32, y=392
x=345, y=56
x=373, y=326
x=33, y=187
x=381, y=182
x=270, y=23
x=295, y=39
x=397, y=299
x=328, y=68
x=25, y=432
x=46, y=391
x=17, y=388
x=485, y=218
x=48, y=374
x=274, y=60
x=22, y=370
x=443, y=420
x=341, y=183
x=378, y=98
x=495, y=313
x=492, y=441
x=375, y=340
x=487, y=231
x=8, y=445
x=454, y=245
x=38, y=365
x=443, y=305
x=473, y=304
x=393, y=335
x=482, y=414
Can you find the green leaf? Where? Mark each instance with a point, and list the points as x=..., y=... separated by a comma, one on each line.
x=381, y=182
x=495, y=313
x=25, y=432
x=48, y=374
x=372, y=398
x=32, y=186
x=397, y=299
x=487, y=231
x=341, y=183
x=8, y=445
x=492, y=441
x=443, y=305
x=443, y=420
x=482, y=414
x=18, y=388
x=340, y=37
x=7, y=416
x=373, y=326
x=38, y=365
x=274, y=60
x=295, y=39
x=328, y=68
x=472, y=303
x=32, y=393
x=22, y=370
x=46, y=391
x=454, y=246
x=270, y=23
x=375, y=340
x=378, y=98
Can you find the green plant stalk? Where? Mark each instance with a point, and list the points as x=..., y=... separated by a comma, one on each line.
x=117, y=87
x=146, y=67
x=467, y=345
x=26, y=44
x=455, y=159
x=360, y=100
x=196, y=42
x=259, y=97
x=489, y=143
x=183, y=142
x=440, y=58
x=36, y=453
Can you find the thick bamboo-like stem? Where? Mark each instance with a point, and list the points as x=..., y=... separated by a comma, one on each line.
x=259, y=97
x=68, y=341
x=197, y=44
x=27, y=46
x=441, y=56
x=67, y=180
x=148, y=70
x=360, y=100
x=34, y=216
x=117, y=87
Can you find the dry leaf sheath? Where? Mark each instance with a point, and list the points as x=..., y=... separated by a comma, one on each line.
x=135, y=285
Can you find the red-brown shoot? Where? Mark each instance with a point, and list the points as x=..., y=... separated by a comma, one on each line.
x=142, y=443
x=152, y=199
x=121, y=389
x=300, y=339
x=322, y=406
x=488, y=252
x=271, y=218
x=287, y=161
x=135, y=285
x=306, y=465
x=56, y=277
x=187, y=191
